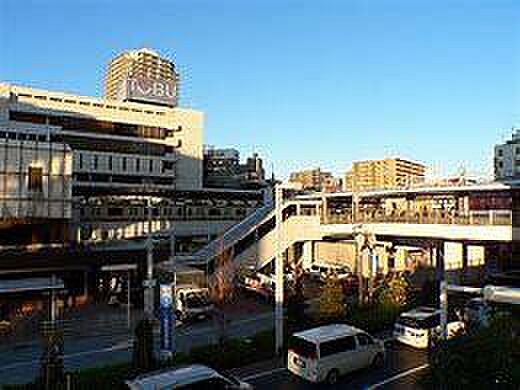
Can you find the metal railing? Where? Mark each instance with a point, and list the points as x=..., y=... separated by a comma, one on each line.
x=491, y=217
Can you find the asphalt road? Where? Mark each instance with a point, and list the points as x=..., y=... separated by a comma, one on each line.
x=402, y=370
x=20, y=364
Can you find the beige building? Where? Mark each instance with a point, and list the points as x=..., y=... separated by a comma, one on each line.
x=121, y=146
x=142, y=76
x=312, y=179
x=387, y=173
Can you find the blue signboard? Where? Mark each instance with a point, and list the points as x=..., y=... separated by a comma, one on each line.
x=166, y=317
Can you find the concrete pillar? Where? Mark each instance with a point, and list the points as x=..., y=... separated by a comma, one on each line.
x=298, y=209
x=464, y=270
x=439, y=263
x=324, y=209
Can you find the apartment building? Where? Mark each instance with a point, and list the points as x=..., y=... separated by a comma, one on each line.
x=142, y=76
x=313, y=180
x=507, y=158
x=387, y=173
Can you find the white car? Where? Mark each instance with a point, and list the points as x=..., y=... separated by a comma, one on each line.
x=321, y=270
x=191, y=377
x=418, y=327
x=323, y=354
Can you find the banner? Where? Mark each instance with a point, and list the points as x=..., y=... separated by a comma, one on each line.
x=166, y=317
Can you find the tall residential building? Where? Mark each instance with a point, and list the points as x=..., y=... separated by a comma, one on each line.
x=507, y=158
x=116, y=146
x=312, y=179
x=387, y=173
x=142, y=76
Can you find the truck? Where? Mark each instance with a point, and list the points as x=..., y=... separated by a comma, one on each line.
x=192, y=302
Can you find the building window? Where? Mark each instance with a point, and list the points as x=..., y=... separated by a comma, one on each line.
x=80, y=161
x=137, y=165
x=150, y=165
x=95, y=163
x=109, y=163
x=35, y=179
x=124, y=163
x=517, y=150
x=500, y=152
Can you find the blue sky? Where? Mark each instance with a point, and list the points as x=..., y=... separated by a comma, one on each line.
x=304, y=83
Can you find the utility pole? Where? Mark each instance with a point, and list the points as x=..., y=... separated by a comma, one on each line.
x=149, y=282
x=279, y=272
x=279, y=264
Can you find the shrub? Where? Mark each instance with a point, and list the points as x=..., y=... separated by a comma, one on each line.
x=482, y=358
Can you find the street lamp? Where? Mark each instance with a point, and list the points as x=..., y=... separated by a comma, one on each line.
x=279, y=264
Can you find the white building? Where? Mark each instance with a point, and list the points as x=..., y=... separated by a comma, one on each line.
x=507, y=159
x=117, y=146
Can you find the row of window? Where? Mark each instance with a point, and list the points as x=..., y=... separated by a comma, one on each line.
x=113, y=212
x=94, y=125
x=138, y=164
x=123, y=179
x=87, y=103
x=500, y=152
x=12, y=135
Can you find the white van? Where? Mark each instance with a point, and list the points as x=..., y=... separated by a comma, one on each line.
x=194, y=377
x=323, y=354
x=419, y=326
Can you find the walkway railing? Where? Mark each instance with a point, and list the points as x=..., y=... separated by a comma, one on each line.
x=491, y=217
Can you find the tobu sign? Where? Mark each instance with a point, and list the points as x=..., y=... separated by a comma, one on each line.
x=150, y=91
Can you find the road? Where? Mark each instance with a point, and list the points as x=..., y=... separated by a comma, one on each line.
x=20, y=363
x=402, y=370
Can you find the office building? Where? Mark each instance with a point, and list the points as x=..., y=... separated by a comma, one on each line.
x=507, y=158
x=142, y=76
x=380, y=174
x=118, y=147
x=314, y=180
x=222, y=169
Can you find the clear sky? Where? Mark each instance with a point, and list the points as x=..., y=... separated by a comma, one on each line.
x=305, y=83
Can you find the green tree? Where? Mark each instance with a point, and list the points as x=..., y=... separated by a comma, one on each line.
x=332, y=300
x=143, y=357
x=394, y=292
x=484, y=358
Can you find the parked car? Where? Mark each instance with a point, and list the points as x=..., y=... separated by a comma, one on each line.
x=264, y=285
x=255, y=285
x=321, y=270
x=420, y=327
x=325, y=353
x=194, y=377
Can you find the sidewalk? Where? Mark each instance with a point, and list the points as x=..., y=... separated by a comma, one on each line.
x=88, y=321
